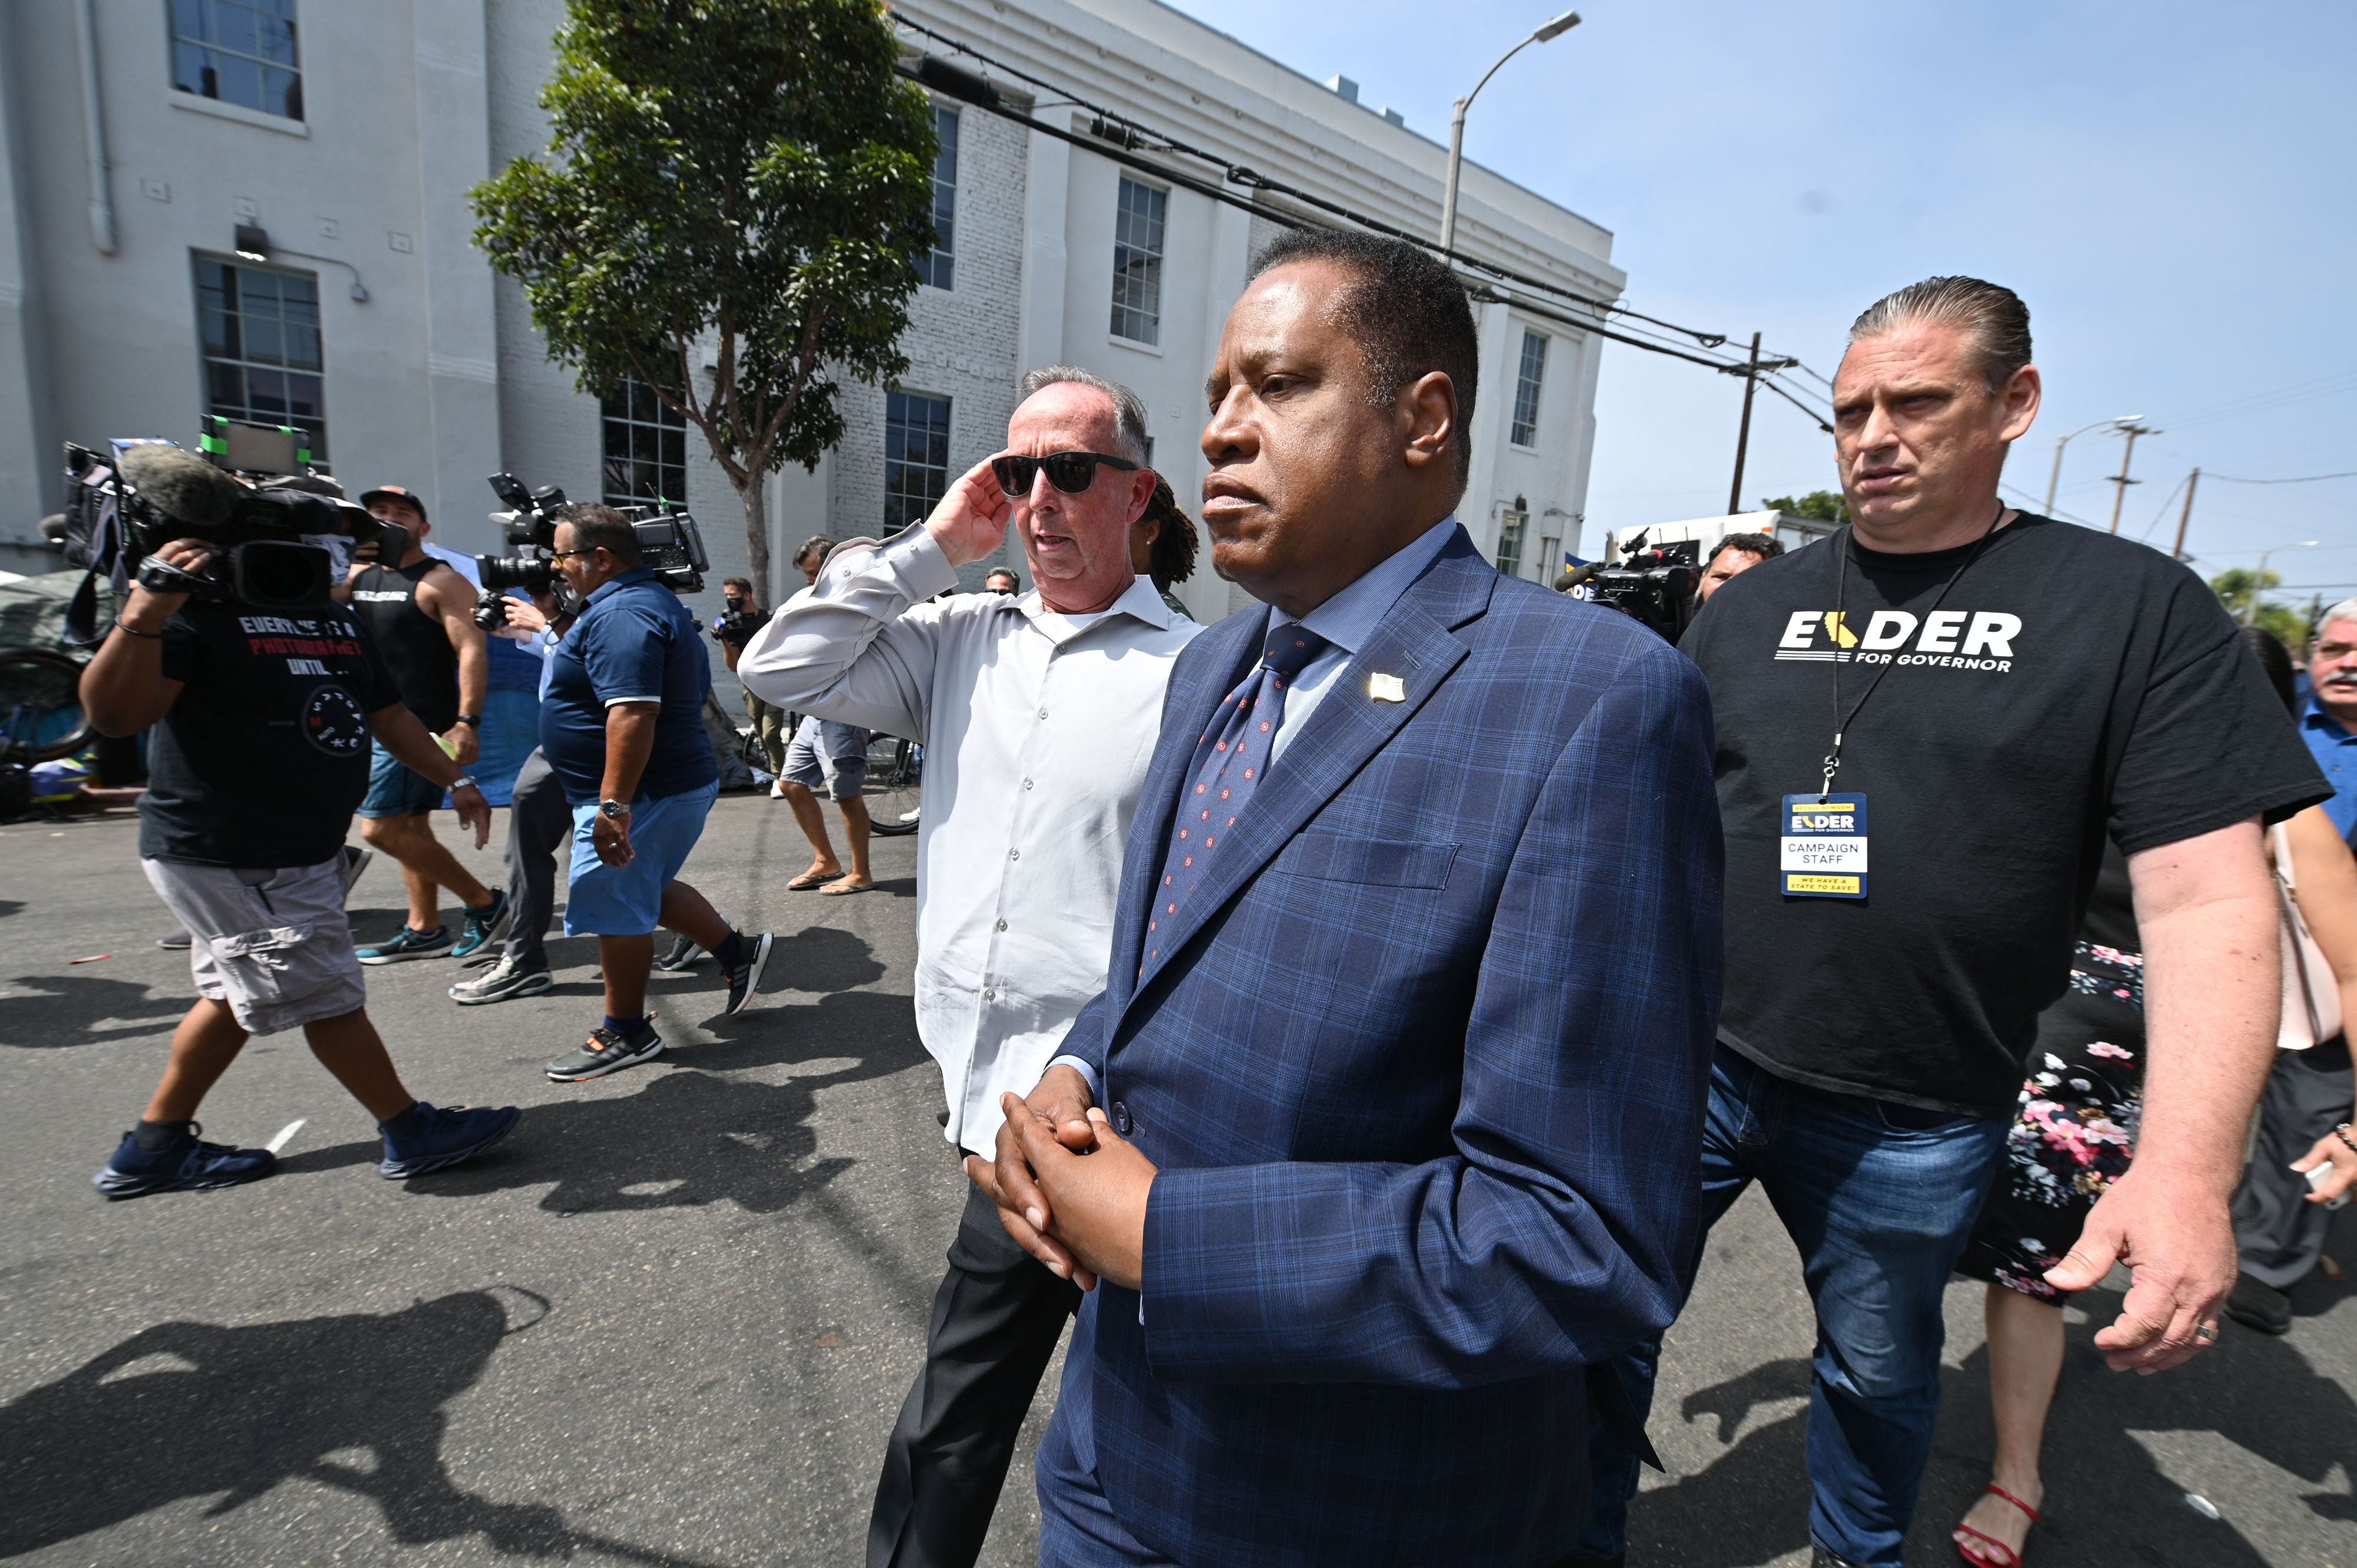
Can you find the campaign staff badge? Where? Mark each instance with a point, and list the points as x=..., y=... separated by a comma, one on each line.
x=1823, y=846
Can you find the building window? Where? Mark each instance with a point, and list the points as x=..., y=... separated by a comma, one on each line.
x=1550, y=562
x=939, y=266
x=915, y=457
x=238, y=51
x=260, y=329
x=1526, y=390
x=1510, y=541
x=1137, y=262
x=646, y=448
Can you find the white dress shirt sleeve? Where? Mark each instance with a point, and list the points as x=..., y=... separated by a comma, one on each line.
x=843, y=650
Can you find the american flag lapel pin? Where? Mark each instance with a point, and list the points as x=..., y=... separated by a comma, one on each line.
x=1385, y=688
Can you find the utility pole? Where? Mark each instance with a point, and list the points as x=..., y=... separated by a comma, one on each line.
x=2186, y=516
x=1743, y=432
x=2121, y=480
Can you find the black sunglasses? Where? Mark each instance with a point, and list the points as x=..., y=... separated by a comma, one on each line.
x=1070, y=472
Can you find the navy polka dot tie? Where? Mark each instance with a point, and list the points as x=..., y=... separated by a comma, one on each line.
x=1230, y=761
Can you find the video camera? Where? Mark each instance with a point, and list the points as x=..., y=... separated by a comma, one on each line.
x=669, y=544
x=276, y=548
x=1655, y=585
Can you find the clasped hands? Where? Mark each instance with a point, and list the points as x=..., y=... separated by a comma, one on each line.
x=1070, y=1190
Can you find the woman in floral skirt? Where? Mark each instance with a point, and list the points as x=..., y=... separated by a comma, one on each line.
x=2071, y=1139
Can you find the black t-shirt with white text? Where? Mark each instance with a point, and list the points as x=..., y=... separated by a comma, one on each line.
x=2070, y=685
x=264, y=755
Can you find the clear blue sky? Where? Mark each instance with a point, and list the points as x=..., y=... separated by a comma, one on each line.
x=2172, y=187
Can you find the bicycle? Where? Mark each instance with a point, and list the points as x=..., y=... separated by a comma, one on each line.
x=41, y=706
x=894, y=795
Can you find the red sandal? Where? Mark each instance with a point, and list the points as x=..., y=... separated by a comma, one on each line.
x=2006, y=1556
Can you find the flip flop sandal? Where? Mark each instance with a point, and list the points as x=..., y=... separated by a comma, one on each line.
x=806, y=881
x=2006, y=1556
x=831, y=891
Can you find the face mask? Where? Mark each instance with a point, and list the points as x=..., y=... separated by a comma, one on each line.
x=339, y=549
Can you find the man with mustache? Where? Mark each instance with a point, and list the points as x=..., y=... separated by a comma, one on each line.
x=1038, y=712
x=1392, y=1102
x=2328, y=722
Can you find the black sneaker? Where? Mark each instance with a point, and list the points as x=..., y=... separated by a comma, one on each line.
x=606, y=1052
x=179, y=941
x=2258, y=1305
x=683, y=954
x=484, y=925
x=186, y=1161
x=745, y=980
x=446, y=1135
x=507, y=981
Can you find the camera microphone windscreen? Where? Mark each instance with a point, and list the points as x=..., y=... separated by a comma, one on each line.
x=181, y=485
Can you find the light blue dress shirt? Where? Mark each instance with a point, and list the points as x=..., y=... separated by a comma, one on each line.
x=1347, y=620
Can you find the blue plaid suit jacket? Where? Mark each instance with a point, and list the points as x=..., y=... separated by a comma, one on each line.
x=1423, y=1066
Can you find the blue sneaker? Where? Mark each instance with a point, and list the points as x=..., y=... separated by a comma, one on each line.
x=409, y=944
x=186, y=1161
x=444, y=1137
x=484, y=925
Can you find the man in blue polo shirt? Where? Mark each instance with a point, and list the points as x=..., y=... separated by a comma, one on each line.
x=2328, y=722
x=622, y=728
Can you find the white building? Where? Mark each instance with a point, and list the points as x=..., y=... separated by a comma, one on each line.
x=139, y=134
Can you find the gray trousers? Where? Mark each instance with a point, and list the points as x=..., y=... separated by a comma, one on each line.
x=539, y=823
x=2279, y=1232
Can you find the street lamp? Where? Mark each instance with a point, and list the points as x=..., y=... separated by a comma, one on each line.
x=2259, y=578
x=2054, y=481
x=1550, y=30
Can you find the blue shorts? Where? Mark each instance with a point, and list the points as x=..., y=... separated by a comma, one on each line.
x=624, y=900
x=395, y=792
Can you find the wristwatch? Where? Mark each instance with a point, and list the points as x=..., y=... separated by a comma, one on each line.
x=461, y=782
x=613, y=809
x=472, y=721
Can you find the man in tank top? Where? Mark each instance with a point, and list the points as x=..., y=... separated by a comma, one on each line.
x=421, y=615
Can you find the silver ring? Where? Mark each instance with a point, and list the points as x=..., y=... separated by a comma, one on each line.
x=2206, y=1334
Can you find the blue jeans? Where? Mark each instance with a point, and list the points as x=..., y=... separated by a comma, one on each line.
x=1879, y=1198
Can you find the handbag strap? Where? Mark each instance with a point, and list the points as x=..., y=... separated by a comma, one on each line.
x=2296, y=932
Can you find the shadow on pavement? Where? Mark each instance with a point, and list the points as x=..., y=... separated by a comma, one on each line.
x=2107, y=1500
x=71, y=1007
x=233, y=1413
x=689, y=1136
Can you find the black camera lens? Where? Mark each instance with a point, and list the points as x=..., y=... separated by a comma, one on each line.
x=534, y=576
x=278, y=574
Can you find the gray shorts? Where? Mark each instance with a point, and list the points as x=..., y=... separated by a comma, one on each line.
x=273, y=945
x=828, y=758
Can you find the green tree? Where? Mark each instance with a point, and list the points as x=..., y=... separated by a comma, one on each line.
x=2237, y=588
x=745, y=180
x=1826, y=506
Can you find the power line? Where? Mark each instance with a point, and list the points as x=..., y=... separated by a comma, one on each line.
x=1116, y=130
x=2303, y=480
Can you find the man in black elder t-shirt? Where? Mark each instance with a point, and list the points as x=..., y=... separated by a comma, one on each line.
x=260, y=753
x=2010, y=689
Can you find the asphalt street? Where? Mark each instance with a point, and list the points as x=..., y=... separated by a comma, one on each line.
x=671, y=1320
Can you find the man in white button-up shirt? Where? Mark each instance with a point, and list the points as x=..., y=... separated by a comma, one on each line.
x=1037, y=714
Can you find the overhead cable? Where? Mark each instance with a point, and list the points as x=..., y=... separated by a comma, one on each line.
x=1121, y=130
x=2302, y=479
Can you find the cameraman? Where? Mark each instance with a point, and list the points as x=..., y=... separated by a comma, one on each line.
x=622, y=728
x=539, y=821
x=421, y=614
x=733, y=631
x=259, y=755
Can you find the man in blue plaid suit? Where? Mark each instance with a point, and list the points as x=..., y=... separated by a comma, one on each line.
x=1385, y=1129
